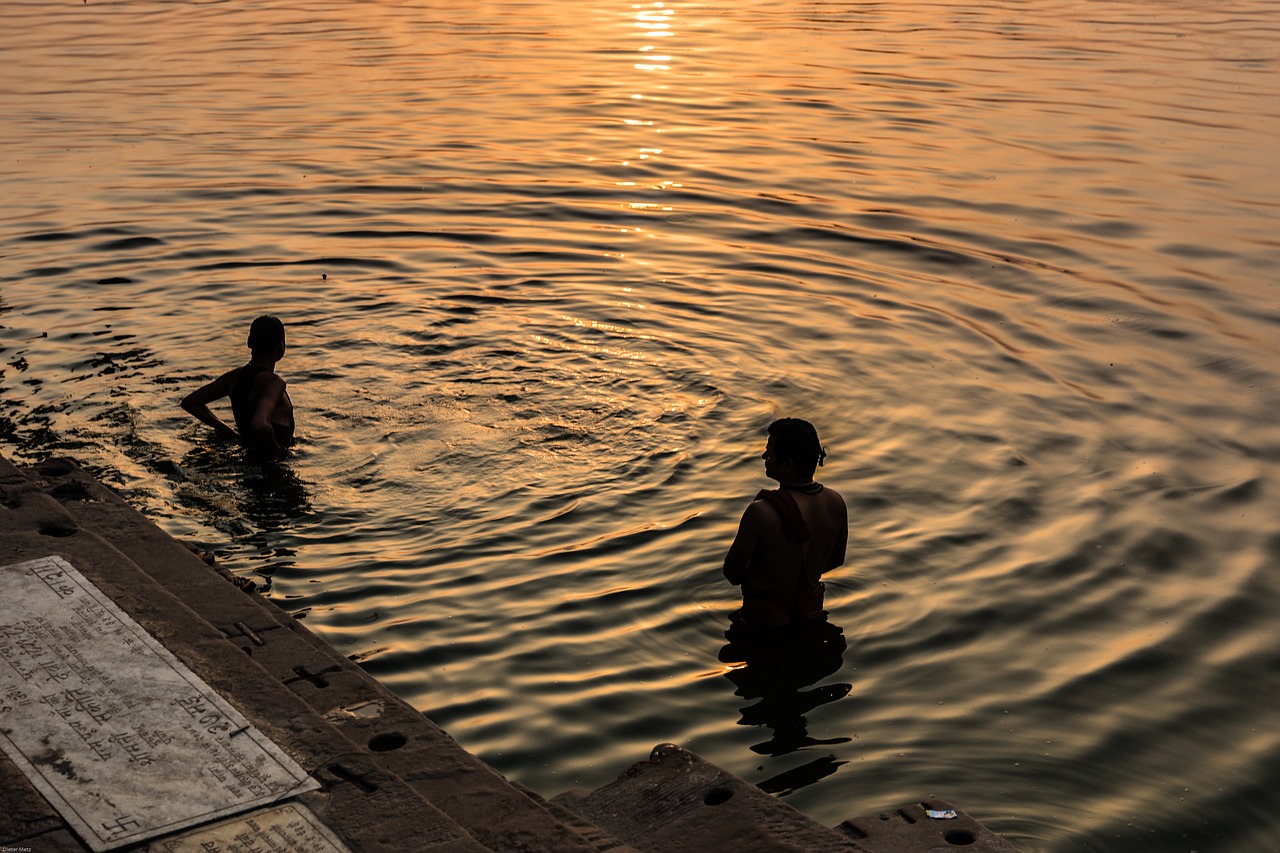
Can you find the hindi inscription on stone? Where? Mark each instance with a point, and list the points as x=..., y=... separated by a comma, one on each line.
x=118, y=734
x=287, y=828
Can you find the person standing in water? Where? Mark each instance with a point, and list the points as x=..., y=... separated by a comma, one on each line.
x=790, y=536
x=259, y=397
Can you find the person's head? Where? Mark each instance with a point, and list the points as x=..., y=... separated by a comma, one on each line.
x=794, y=451
x=266, y=335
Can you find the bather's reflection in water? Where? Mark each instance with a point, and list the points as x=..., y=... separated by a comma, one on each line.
x=778, y=667
x=258, y=506
x=268, y=496
x=274, y=498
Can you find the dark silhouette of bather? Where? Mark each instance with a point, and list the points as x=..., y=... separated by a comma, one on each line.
x=790, y=536
x=260, y=401
x=781, y=636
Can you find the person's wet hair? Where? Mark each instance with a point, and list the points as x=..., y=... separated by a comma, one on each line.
x=266, y=333
x=797, y=441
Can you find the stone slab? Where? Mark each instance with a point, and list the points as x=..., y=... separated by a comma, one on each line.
x=930, y=826
x=107, y=723
x=677, y=802
x=287, y=828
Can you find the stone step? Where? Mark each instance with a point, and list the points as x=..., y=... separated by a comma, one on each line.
x=676, y=802
x=932, y=826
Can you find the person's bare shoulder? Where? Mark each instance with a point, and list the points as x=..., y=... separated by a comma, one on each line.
x=757, y=511
x=834, y=507
x=267, y=383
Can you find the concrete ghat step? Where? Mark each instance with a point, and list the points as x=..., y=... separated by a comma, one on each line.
x=932, y=826
x=677, y=802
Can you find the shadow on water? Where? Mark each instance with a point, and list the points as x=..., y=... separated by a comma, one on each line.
x=780, y=669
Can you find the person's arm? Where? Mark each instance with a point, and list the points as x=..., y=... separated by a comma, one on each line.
x=738, y=558
x=268, y=399
x=197, y=403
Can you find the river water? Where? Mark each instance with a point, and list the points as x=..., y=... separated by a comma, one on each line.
x=550, y=268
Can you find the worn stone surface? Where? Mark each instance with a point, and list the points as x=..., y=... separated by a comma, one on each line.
x=104, y=720
x=58, y=840
x=932, y=826
x=25, y=811
x=287, y=828
x=600, y=840
x=678, y=802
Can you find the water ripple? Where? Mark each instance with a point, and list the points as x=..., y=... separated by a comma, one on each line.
x=547, y=276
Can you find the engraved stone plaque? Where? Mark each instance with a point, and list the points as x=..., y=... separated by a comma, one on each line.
x=288, y=828
x=118, y=734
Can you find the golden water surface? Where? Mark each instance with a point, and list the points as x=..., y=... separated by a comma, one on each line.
x=549, y=269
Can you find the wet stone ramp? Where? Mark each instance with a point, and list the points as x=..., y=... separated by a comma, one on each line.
x=676, y=802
